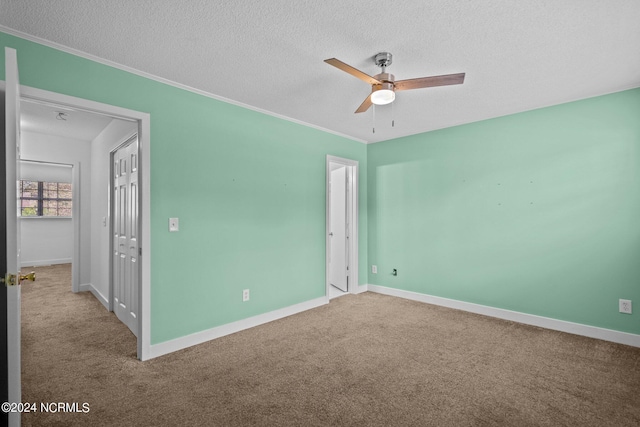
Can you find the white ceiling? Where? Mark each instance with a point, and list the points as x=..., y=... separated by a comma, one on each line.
x=61, y=121
x=269, y=55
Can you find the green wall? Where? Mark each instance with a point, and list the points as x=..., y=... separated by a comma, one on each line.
x=249, y=190
x=537, y=212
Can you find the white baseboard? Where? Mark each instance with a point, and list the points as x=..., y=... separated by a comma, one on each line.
x=40, y=263
x=360, y=289
x=528, y=319
x=156, y=350
x=88, y=287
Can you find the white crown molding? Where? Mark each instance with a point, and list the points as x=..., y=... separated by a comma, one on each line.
x=168, y=82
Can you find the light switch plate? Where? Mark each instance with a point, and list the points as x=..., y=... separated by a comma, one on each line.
x=174, y=224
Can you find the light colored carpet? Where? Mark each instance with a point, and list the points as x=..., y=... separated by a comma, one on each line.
x=365, y=360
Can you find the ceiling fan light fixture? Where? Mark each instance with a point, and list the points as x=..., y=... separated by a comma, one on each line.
x=384, y=85
x=383, y=96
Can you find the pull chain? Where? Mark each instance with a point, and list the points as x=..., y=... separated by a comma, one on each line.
x=374, y=118
x=393, y=122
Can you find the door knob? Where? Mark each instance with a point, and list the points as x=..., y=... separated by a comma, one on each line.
x=31, y=276
x=10, y=279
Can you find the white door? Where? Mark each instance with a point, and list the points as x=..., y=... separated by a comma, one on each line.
x=125, y=234
x=12, y=148
x=338, y=266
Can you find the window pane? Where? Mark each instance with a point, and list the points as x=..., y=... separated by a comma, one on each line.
x=50, y=190
x=29, y=207
x=29, y=189
x=64, y=190
x=50, y=208
x=64, y=208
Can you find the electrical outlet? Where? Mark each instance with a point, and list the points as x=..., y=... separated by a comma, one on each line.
x=625, y=306
x=374, y=269
x=245, y=295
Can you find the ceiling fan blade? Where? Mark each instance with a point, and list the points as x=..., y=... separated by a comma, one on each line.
x=365, y=105
x=422, y=82
x=353, y=71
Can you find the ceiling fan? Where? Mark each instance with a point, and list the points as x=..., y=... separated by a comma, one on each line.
x=384, y=86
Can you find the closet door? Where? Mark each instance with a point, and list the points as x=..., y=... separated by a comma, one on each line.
x=125, y=234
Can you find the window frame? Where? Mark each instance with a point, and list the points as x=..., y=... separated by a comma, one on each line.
x=40, y=199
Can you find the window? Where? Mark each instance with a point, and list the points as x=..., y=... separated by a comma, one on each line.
x=41, y=198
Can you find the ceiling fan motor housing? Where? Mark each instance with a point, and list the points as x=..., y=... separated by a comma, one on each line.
x=387, y=82
x=384, y=85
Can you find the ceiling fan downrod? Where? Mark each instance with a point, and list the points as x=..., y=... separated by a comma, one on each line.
x=383, y=60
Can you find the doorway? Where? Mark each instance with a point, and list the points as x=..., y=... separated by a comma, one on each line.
x=53, y=237
x=341, y=257
x=141, y=124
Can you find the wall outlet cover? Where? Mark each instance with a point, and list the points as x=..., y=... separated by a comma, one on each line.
x=624, y=306
x=245, y=295
x=374, y=269
x=174, y=224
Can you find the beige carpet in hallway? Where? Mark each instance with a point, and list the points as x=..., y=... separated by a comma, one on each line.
x=365, y=360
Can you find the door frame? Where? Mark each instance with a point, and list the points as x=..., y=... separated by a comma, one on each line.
x=352, y=230
x=144, y=200
x=75, y=218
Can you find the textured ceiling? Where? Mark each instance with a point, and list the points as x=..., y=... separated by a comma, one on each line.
x=269, y=55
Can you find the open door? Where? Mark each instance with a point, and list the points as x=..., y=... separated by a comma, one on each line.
x=4, y=367
x=125, y=219
x=11, y=277
x=341, y=256
x=338, y=232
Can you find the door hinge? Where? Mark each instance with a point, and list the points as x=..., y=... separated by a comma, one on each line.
x=140, y=251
